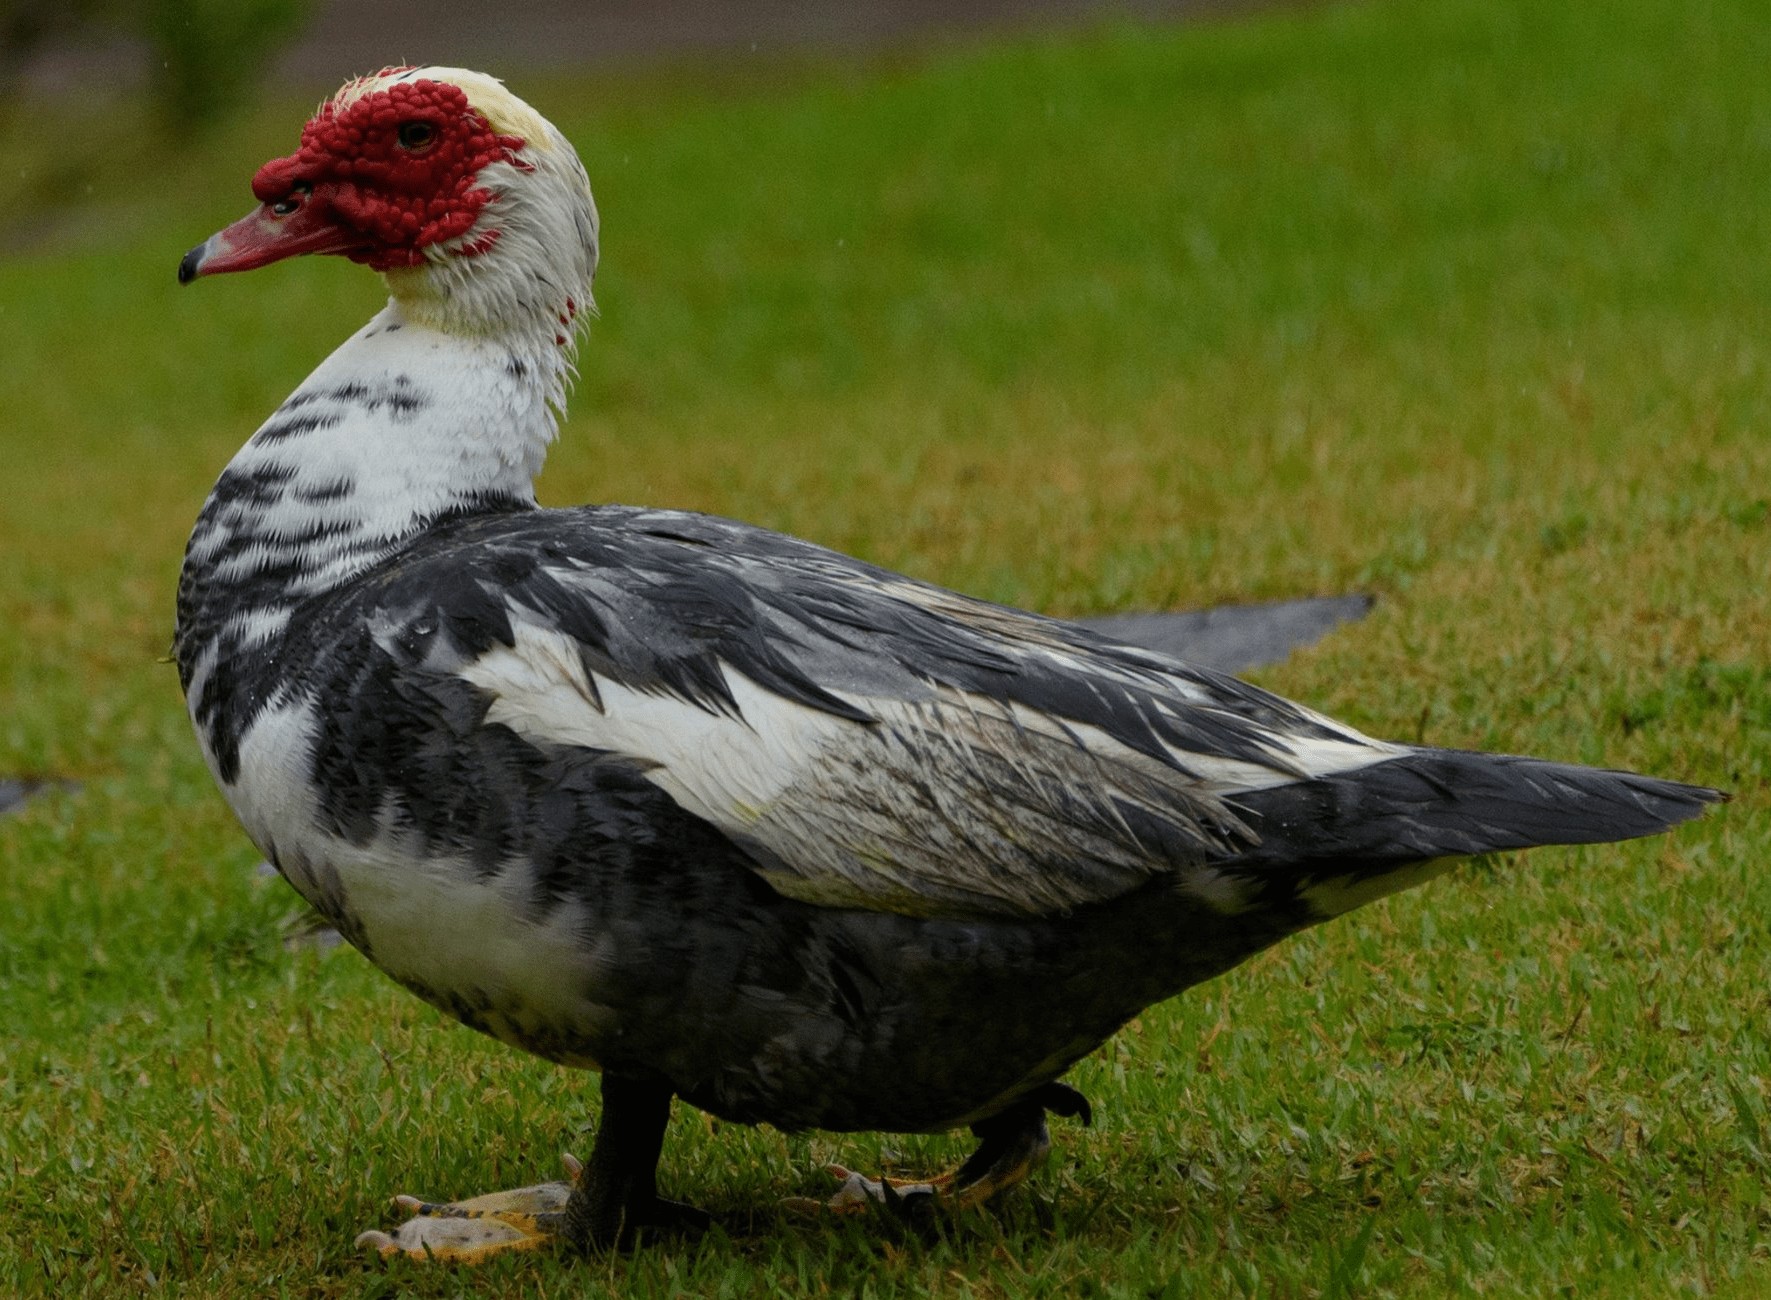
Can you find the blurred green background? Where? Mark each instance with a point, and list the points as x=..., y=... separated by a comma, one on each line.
x=1460, y=302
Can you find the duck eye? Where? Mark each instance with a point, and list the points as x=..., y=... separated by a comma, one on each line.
x=416, y=135
x=292, y=200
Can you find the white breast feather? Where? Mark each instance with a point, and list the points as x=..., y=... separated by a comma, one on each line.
x=430, y=920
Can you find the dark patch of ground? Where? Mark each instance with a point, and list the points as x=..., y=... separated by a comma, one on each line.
x=1235, y=638
x=15, y=792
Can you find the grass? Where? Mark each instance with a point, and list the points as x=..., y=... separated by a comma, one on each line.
x=1463, y=303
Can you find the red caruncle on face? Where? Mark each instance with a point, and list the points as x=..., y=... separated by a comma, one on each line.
x=398, y=165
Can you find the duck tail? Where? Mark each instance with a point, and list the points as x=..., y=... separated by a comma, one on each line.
x=1339, y=841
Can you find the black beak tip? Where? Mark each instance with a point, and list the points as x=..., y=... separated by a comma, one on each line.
x=187, y=269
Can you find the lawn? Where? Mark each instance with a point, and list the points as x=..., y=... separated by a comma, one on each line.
x=1463, y=303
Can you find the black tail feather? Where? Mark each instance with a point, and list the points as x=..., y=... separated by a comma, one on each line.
x=1430, y=804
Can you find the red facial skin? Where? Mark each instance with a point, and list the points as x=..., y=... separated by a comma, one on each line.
x=378, y=181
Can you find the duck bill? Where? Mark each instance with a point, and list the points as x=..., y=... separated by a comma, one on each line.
x=264, y=236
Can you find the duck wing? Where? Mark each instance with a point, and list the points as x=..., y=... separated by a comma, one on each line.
x=868, y=740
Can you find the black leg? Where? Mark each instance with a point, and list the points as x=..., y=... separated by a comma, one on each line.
x=617, y=1199
x=1063, y=1100
x=1018, y=1135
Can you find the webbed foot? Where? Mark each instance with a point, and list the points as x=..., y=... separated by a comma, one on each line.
x=469, y=1231
x=610, y=1204
x=1011, y=1145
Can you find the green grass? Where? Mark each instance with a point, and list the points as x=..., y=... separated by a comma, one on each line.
x=1464, y=303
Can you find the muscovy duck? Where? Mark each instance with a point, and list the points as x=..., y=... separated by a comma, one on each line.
x=719, y=813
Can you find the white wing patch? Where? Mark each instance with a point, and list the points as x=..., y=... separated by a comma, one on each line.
x=718, y=767
x=1310, y=756
x=959, y=802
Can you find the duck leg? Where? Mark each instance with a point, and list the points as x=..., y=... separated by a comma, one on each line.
x=616, y=1201
x=605, y=1205
x=1011, y=1145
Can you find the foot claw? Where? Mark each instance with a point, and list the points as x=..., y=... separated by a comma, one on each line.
x=859, y=1193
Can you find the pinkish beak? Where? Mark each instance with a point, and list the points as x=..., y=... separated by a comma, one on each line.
x=265, y=235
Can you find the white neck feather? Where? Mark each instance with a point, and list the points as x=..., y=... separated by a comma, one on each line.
x=534, y=279
x=444, y=403
x=400, y=426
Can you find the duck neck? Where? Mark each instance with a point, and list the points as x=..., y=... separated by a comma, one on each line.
x=403, y=427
